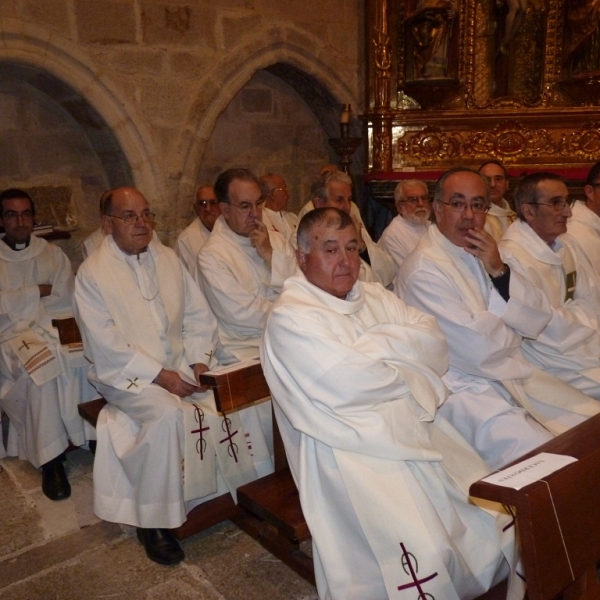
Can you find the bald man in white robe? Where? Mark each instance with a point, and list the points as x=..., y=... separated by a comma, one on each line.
x=382, y=480
x=502, y=404
x=149, y=334
x=195, y=235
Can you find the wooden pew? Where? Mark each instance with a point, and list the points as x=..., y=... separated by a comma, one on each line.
x=559, y=529
x=269, y=508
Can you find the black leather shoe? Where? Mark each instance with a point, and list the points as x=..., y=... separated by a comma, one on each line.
x=55, y=484
x=161, y=546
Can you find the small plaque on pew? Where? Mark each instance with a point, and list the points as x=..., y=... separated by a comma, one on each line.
x=529, y=471
x=234, y=385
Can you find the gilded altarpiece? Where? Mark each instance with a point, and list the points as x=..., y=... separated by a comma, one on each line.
x=454, y=82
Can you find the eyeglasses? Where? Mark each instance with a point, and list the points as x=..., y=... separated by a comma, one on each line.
x=130, y=218
x=594, y=185
x=414, y=200
x=477, y=207
x=558, y=204
x=207, y=203
x=283, y=189
x=11, y=215
x=246, y=207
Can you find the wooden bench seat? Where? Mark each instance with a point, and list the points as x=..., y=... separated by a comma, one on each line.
x=558, y=519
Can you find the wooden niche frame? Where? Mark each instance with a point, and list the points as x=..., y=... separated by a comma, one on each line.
x=448, y=85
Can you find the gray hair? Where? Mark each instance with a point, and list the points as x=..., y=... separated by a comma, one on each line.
x=319, y=188
x=526, y=190
x=399, y=191
x=330, y=218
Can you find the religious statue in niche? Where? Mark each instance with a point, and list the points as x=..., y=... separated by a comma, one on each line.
x=430, y=26
x=582, y=40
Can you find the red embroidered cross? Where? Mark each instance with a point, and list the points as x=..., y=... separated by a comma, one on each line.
x=201, y=442
x=229, y=437
x=412, y=570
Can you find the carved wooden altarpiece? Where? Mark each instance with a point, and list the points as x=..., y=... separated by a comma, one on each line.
x=456, y=82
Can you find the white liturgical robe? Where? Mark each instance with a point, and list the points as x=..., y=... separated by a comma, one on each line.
x=383, y=486
x=240, y=287
x=189, y=243
x=400, y=238
x=283, y=222
x=138, y=315
x=92, y=241
x=584, y=226
x=491, y=380
x=569, y=345
x=40, y=382
x=498, y=219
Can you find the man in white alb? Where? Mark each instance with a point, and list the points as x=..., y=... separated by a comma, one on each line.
x=274, y=213
x=584, y=224
x=500, y=215
x=485, y=310
x=149, y=335
x=334, y=190
x=383, y=482
x=538, y=246
x=400, y=237
x=194, y=236
x=40, y=383
x=242, y=266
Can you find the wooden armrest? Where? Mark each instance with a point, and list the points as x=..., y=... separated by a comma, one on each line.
x=235, y=389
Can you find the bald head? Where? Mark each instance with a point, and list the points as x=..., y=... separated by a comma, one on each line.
x=128, y=218
x=207, y=206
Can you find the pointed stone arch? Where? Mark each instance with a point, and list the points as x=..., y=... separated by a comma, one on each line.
x=286, y=57
x=62, y=70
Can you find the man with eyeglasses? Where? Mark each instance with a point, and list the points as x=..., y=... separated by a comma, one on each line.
x=584, y=224
x=500, y=402
x=401, y=236
x=500, y=215
x=242, y=266
x=538, y=246
x=40, y=386
x=149, y=334
x=275, y=214
x=194, y=236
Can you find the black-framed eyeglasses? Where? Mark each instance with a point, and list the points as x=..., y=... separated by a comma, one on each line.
x=130, y=219
x=594, y=185
x=207, y=203
x=558, y=204
x=414, y=200
x=478, y=207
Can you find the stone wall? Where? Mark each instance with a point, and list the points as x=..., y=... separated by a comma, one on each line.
x=156, y=93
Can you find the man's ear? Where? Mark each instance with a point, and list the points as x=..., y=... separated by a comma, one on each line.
x=528, y=212
x=106, y=224
x=225, y=208
x=301, y=259
x=588, y=190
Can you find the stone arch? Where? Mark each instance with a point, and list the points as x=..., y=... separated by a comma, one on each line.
x=61, y=70
x=288, y=60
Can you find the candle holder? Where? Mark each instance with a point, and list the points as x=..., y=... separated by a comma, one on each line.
x=345, y=147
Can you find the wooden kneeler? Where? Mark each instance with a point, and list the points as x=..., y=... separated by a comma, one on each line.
x=269, y=508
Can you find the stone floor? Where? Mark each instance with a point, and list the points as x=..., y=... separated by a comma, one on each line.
x=61, y=551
